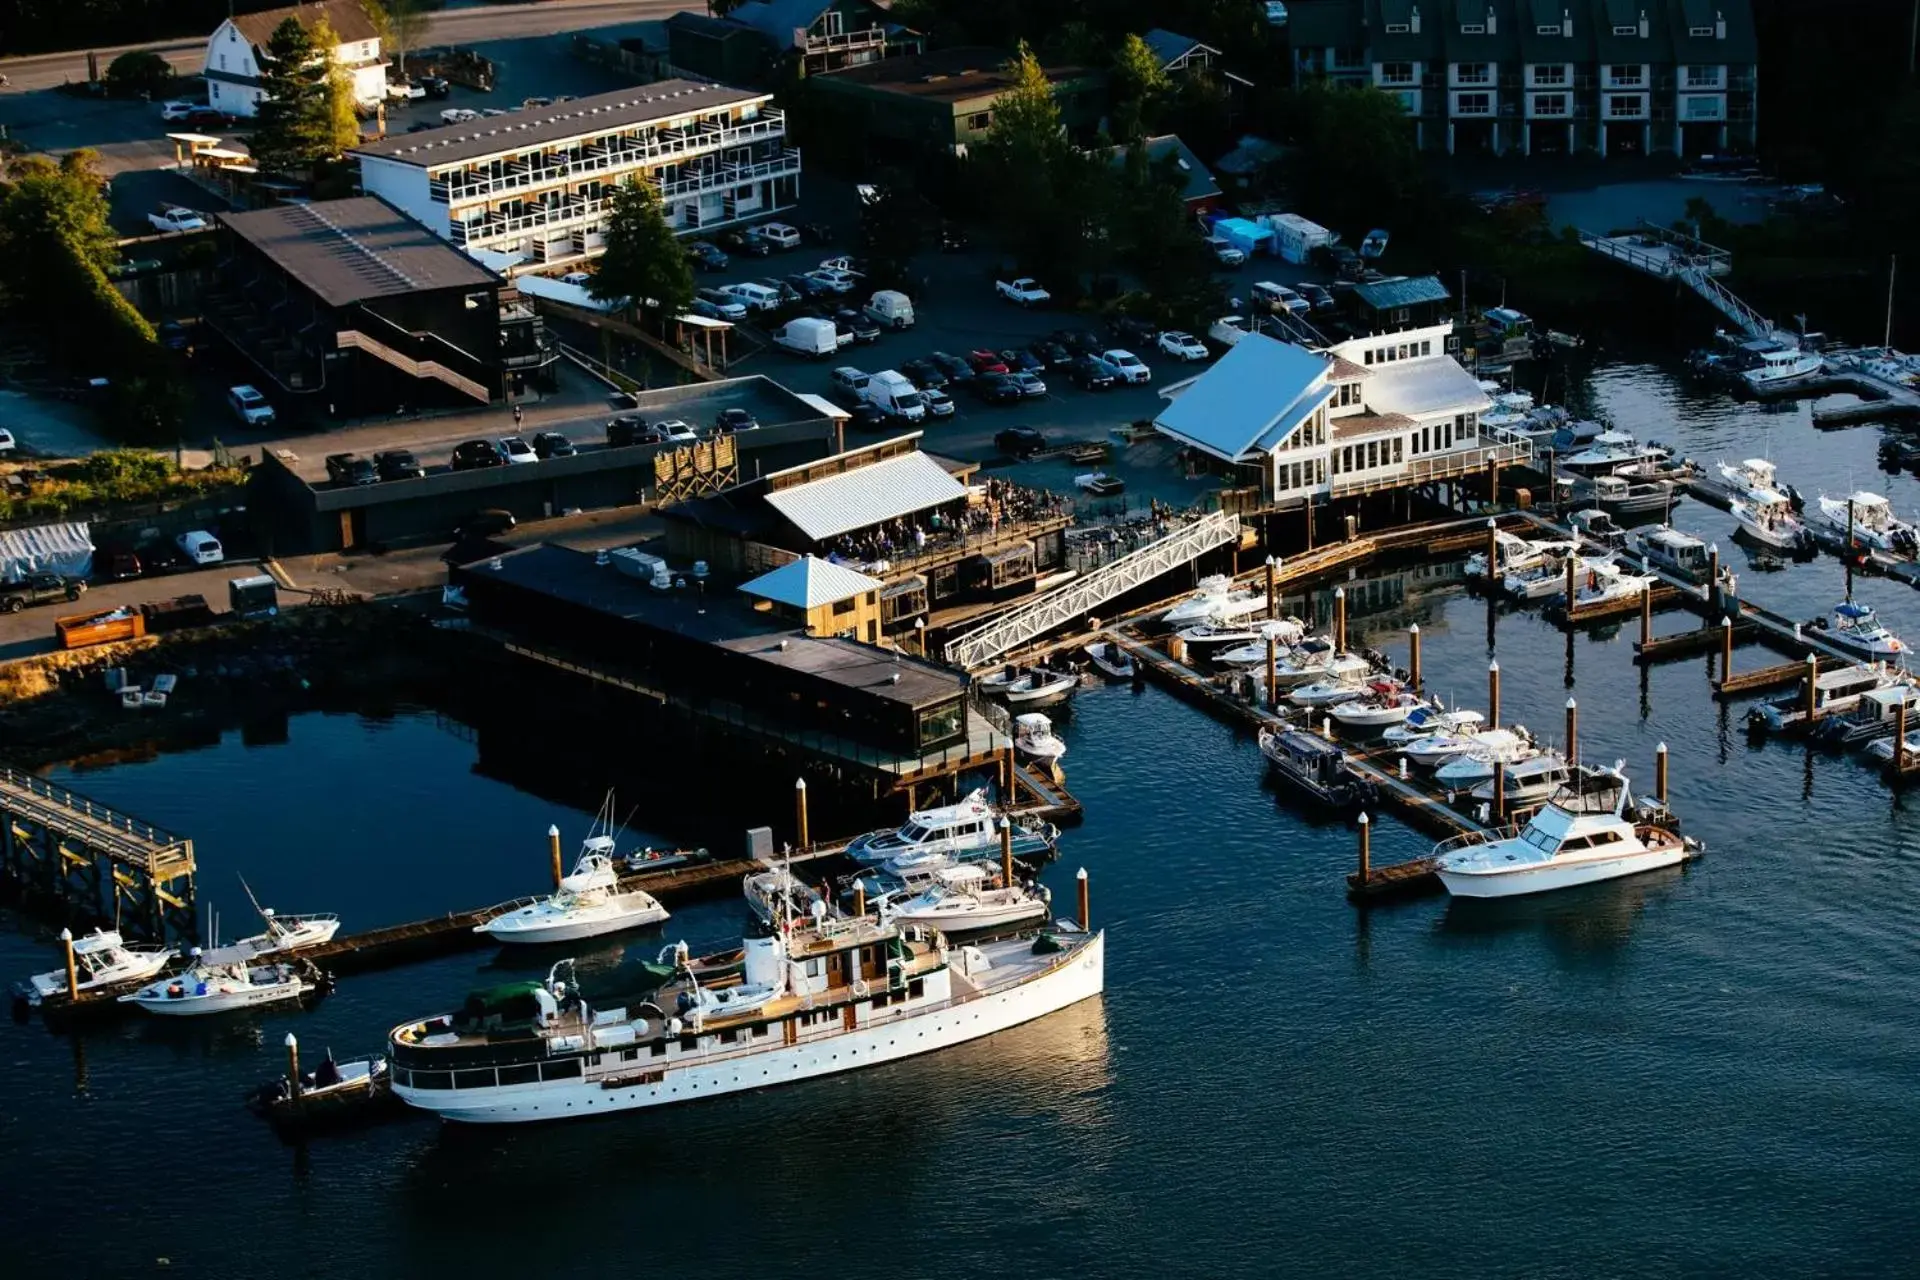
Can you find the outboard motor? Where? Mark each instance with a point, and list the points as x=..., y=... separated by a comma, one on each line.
x=1794, y=499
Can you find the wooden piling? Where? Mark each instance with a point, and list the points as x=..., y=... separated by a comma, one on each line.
x=293, y=1066
x=73, y=971
x=1660, y=773
x=553, y=851
x=1493, y=694
x=859, y=898
x=800, y=814
x=1413, y=656
x=1086, y=916
x=1646, y=615
x=1900, y=737
x=1273, y=589
x=1573, y=563
x=1339, y=619
x=1573, y=732
x=1813, y=686
x=1726, y=647
x=1366, y=848
x=1713, y=575
x=1006, y=852
x=1273, y=675
x=1499, y=793
x=1493, y=552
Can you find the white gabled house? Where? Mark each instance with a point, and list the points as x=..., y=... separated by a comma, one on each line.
x=237, y=54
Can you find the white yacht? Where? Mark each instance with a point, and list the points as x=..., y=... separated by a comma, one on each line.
x=1436, y=749
x=776, y=890
x=1425, y=722
x=1782, y=363
x=1857, y=629
x=1582, y=835
x=285, y=933
x=1286, y=633
x=1033, y=735
x=1383, y=704
x=1544, y=580
x=100, y=959
x=1767, y=517
x=1216, y=601
x=1495, y=747
x=1870, y=519
x=963, y=831
x=1031, y=685
x=219, y=981
x=1514, y=554
x=1755, y=475
x=960, y=900
x=1316, y=660
x=1604, y=581
x=1329, y=692
x=589, y=902
x=1527, y=781
x=1613, y=451
x=819, y=996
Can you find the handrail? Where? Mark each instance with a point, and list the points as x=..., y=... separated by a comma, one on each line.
x=353, y=338
x=470, y=186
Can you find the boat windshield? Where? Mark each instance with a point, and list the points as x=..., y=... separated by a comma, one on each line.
x=1539, y=839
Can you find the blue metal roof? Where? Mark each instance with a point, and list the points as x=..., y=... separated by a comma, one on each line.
x=1259, y=390
x=1405, y=292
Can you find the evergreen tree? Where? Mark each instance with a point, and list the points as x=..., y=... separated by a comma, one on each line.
x=1140, y=90
x=644, y=261
x=343, y=120
x=1046, y=192
x=295, y=120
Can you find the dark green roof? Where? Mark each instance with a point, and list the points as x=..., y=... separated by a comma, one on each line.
x=1403, y=46
x=1741, y=46
x=1557, y=47
x=1408, y=291
x=1612, y=49
x=1498, y=42
x=1326, y=24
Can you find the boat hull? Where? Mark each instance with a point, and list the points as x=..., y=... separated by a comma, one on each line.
x=570, y=930
x=993, y=917
x=221, y=1002
x=1080, y=976
x=1541, y=879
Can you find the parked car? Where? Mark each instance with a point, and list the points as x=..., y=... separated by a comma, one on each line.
x=834, y=280
x=953, y=238
x=925, y=373
x=551, y=444
x=747, y=241
x=1024, y=290
x=517, y=451
x=1018, y=361
x=398, y=464
x=732, y=420
x=204, y=117
x=1091, y=373
x=1019, y=442
x=475, y=455
x=752, y=296
x=857, y=323
x=173, y=335
x=1317, y=298
x=178, y=110
x=1224, y=253
x=848, y=381
x=780, y=235
x=706, y=257
x=805, y=286
x=998, y=388
x=674, y=431
x=435, y=86
x=1079, y=342
x=621, y=401
x=200, y=547
x=250, y=405
x=173, y=219
x=1131, y=331
x=351, y=468
x=716, y=305
x=38, y=588
x=956, y=369
x=626, y=430
x=785, y=294
x=986, y=362
x=1277, y=298
x=867, y=416
x=488, y=523
x=1029, y=383
x=1182, y=346
x=1050, y=354
x=1127, y=366
x=938, y=402
x=579, y=279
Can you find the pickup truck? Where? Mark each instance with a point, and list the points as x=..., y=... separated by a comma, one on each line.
x=38, y=588
x=1026, y=291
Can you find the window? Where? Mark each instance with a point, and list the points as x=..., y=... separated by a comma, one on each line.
x=1473, y=73
x=1622, y=77
x=1549, y=104
x=1708, y=32
x=1550, y=73
x=842, y=606
x=1702, y=107
x=1398, y=28
x=1474, y=104
x=1373, y=453
x=1398, y=456
x=940, y=723
x=1624, y=104
x=1703, y=77
x=1626, y=31
x=1544, y=30
x=979, y=120
x=1473, y=28
x=1426, y=348
x=1396, y=73
x=834, y=21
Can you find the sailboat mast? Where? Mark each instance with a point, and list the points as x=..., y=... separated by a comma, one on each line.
x=1893, y=265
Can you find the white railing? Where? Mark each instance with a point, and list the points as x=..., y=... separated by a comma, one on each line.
x=620, y=152
x=731, y=175
x=845, y=41
x=1440, y=466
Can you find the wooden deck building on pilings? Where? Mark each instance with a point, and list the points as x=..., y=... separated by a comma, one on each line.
x=93, y=861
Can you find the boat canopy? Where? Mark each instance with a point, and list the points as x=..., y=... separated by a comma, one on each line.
x=103, y=940
x=1849, y=609
x=1034, y=722
x=509, y=1002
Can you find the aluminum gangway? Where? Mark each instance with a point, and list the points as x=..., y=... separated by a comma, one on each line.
x=1073, y=601
x=1666, y=254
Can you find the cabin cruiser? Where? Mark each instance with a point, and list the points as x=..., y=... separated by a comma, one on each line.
x=220, y=981
x=1626, y=497
x=960, y=900
x=963, y=831
x=1315, y=766
x=1436, y=749
x=1857, y=629
x=1526, y=781
x=1767, y=518
x=1597, y=526
x=1876, y=716
x=1494, y=746
x=1425, y=722
x=588, y=903
x=1328, y=692
x=100, y=959
x=286, y=933
x=1605, y=581
x=1287, y=633
x=1680, y=554
x=1032, y=685
x=1514, y=554
x=1111, y=660
x=820, y=995
x=1317, y=660
x=1384, y=704
x=1545, y=580
x=1753, y=477
x=1612, y=451
x=1033, y=736
x=1835, y=690
x=1780, y=363
x=776, y=890
x=1216, y=601
x=1868, y=518
x=1586, y=833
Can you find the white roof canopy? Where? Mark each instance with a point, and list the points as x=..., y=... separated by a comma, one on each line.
x=868, y=495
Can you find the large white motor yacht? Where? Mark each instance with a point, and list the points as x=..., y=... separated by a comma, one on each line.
x=960, y=900
x=1216, y=601
x=1582, y=835
x=589, y=902
x=100, y=959
x=1613, y=451
x=964, y=831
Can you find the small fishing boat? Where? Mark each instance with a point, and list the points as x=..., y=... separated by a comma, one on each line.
x=1033, y=736
x=1032, y=686
x=1436, y=749
x=1876, y=715
x=589, y=903
x=1881, y=749
x=1868, y=518
x=1286, y=633
x=1753, y=476
x=1857, y=629
x=1527, y=781
x=1385, y=704
x=1514, y=554
x=1215, y=601
x=1110, y=660
x=332, y=1094
x=1586, y=833
x=1597, y=526
x=285, y=933
x=1490, y=747
x=963, y=830
x=1780, y=363
x=651, y=859
x=1767, y=518
x=100, y=959
x=1328, y=692
x=1625, y=498
x=1425, y=722
x=1543, y=581
x=777, y=890
x=1605, y=582
x=1315, y=766
x=1680, y=554
x=217, y=982
x=960, y=900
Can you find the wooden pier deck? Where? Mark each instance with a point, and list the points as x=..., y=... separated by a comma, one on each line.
x=1685, y=644
x=1761, y=679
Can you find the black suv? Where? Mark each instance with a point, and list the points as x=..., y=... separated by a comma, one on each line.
x=551, y=444
x=1091, y=373
x=398, y=464
x=731, y=420
x=625, y=430
x=1019, y=442
x=38, y=589
x=351, y=468
x=475, y=455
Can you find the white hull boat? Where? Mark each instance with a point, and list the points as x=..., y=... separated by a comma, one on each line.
x=1033, y=736
x=1517, y=554
x=1543, y=581
x=960, y=901
x=589, y=903
x=209, y=988
x=778, y=891
x=1321, y=664
x=100, y=959
x=1582, y=836
x=1436, y=749
x=1493, y=746
x=1752, y=477
x=1426, y=722
x=1612, y=452
x=1858, y=630
x=1767, y=519
x=1603, y=583
x=1881, y=749
x=1869, y=518
x=1527, y=781
x=1376, y=711
x=1030, y=687
x=1782, y=366
x=1215, y=603
x=1327, y=693
x=962, y=831
x=1111, y=660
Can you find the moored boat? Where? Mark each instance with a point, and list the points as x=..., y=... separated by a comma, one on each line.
x=1856, y=628
x=1767, y=518
x=960, y=900
x=589, y=902
x=1033, y=735
x=1383, y=705
x=1033, y=686
x=1526, y=781
x=1835, y=690
x=1490, y=747
x=222, y=983
x=1111, y=660
x=1216, y=601
x=101, y=959
x=1424, y=722
x=1680, y=554
x=964, y=830
x=1868, y=519
x=1315, y=766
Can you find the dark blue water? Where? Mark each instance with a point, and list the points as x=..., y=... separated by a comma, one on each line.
x=1699, y=1071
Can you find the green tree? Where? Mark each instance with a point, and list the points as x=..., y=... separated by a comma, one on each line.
x=343, y=119
x=51, y=202
x=295, y=124
x=892, y=229
x=140, y=70
x=1160, y=241
x=1139, y=90
x=402, y=25
x=1047, y=195
x=644, y=261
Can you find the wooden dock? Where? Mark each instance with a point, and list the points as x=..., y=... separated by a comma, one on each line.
x=1761, y=679
x=1666, y=595
x=1408, y=879
x=1685, y=644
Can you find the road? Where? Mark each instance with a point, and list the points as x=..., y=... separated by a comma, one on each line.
x=447, y=26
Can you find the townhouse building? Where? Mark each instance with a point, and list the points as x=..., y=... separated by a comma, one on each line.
x=237, y=59
x=534, y=185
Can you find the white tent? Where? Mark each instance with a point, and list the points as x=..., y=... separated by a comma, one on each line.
x=46, y=548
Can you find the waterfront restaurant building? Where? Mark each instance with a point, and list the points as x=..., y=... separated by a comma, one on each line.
x=534, y=183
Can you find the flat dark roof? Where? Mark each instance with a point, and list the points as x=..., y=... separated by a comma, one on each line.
x=347, y=251
x=949, y=75
x=723, y=618
x=537, y=126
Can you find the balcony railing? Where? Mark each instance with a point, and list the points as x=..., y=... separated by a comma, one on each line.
x=582, y=209
x=843, y=42
x=615, y=153
x=728, y=176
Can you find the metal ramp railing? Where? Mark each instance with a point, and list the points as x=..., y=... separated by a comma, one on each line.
x=1728, y=303
x=1071, y=602
x=1667, y=254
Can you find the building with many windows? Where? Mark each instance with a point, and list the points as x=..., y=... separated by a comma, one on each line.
x=237, y=58
x=1551, y=76
x=944, y=99
x=534, y=184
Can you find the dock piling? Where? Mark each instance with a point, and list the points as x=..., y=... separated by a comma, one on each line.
x=800, y=813
x=860, y=895
x=1493, y=694
x=553, y=850
x=1086, y=916
x=1006, y=852
x=1713, y=574
x=1273, y=596
x=293, y=1065
x=73, y=972
x=1573, y=732
x=1726, y=647
x=1493, y=552
x=1900, y=738
x=1403, y=768
x=1273, y=675
x=1813, y=689
x=1646, y=615
x=1660, y=773
x=1499, y=793
x=1366, y=848
x=1572, y=563
x=1413, y=656
x=1339, y=619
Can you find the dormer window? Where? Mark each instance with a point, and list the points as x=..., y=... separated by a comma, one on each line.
x=1701, y=31
x=1473, y=28
x=1544, y=30
x=1626, y=31
x=1398, y=29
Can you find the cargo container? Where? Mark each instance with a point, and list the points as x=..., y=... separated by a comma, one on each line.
x=77, y=631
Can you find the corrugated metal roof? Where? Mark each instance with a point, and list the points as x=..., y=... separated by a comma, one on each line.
x=867, y=495
x=1259, y=390
x=809, y=582
x=1436, y=384
x=1405, y=292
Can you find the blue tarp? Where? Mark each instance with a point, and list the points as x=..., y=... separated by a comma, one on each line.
x=1241, y=234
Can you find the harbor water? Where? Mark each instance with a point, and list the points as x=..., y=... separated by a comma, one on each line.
x=1706, y=1070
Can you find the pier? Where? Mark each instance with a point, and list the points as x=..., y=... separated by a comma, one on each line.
x=95, y=860
x=1666, y=254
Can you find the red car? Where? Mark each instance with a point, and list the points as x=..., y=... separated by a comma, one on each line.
x=986, y=362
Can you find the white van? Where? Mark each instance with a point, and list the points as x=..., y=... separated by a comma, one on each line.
x=200, y=547
x=756, y=297
x=808, y=336
x=891, y=309
x=894, y=394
